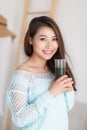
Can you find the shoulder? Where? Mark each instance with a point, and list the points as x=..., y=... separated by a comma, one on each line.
x=20, y=71
x=25, y=66
x=19, y=76
x=20, y=67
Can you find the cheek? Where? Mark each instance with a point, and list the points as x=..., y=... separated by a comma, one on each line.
x=56, y=46
x=36, y=44
x=39, y=46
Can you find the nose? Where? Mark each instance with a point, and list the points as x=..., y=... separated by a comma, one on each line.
x=49, y=44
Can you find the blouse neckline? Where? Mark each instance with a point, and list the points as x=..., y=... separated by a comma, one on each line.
x=34, y=74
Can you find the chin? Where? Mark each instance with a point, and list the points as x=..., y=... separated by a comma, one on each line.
x=48, y=57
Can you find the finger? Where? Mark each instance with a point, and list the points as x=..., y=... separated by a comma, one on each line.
x=66, y=80
x=62, y=77
x=68, y=88
x=68, y=84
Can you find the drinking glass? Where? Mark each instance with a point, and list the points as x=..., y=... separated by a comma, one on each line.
x=60, y=67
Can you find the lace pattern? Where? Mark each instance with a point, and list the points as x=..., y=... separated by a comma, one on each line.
x=24, y=112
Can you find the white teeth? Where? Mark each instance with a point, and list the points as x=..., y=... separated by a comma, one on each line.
x=48, y=52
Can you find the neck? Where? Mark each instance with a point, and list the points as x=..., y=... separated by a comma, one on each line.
x=38, y=63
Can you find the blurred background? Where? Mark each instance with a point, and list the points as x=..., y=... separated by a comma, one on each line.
x=72, y=19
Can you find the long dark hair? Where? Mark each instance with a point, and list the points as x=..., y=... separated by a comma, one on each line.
x=35, y=24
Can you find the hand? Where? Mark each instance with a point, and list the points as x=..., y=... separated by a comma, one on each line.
x=60, y=85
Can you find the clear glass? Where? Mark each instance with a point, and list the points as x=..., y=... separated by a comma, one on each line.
x=60, y=67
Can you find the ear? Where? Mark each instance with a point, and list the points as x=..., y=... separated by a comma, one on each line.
x=30, y=40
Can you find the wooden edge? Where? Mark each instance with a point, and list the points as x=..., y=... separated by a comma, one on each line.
x=53, y=8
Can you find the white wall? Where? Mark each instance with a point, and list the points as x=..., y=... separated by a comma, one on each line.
x=72, y=19
x=12, y=10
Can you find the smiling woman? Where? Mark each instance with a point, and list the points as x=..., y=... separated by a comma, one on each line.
x=38, y=101
x=44, y=43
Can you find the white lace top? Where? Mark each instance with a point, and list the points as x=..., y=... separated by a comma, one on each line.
x=33, y=107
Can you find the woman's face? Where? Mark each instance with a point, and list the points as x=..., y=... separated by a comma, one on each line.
x=44, y=43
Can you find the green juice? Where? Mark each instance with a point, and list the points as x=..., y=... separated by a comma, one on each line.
x=59, y=72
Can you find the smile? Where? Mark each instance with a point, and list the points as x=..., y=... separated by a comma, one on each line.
x=49, y=52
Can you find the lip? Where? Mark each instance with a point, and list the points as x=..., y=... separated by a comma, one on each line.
x=49, y=52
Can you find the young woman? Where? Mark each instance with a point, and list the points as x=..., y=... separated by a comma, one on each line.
x=38, y=101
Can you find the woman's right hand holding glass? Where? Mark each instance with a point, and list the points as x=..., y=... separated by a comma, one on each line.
x=62, y=84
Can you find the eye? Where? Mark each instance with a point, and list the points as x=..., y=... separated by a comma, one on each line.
x=42, y=39
x=55, y=39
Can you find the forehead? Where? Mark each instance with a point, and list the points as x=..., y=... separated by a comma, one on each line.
x=48, y=31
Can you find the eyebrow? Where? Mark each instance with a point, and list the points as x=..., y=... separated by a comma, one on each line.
x=46, y=36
